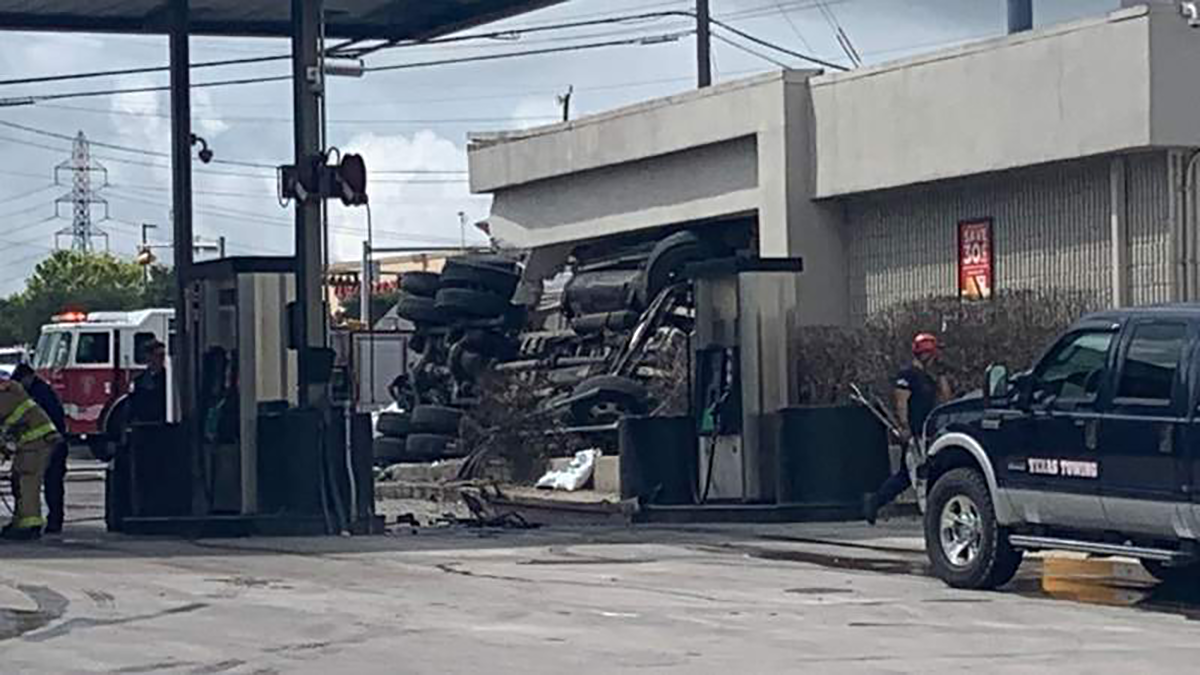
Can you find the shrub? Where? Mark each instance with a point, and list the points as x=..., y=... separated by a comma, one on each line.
x=1012, y=328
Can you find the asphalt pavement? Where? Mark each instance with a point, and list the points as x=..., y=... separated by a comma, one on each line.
x=707, y=599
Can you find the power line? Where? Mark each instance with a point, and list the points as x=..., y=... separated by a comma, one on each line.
x=29, y=193
x=440, y=121
x=648, y=40
x=739, y=46
x=795, y=29
x=782, y=50
x=22, y=212
x=137, y=71
x=154, y=165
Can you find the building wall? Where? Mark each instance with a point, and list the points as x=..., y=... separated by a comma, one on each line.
x=1053, y=94
x=1052, y=229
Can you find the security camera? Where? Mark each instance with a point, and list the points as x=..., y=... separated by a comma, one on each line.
x=1191, y=10
x=205, y=154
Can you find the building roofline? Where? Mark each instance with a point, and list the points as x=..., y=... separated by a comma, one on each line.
x=490, y=138
x=983, y=45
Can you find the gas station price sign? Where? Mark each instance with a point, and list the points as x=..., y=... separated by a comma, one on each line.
x=976, y=263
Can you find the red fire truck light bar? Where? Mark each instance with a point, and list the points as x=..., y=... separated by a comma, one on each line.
x=69, y=317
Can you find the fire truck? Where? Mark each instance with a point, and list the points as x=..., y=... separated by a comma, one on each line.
x=91, y=360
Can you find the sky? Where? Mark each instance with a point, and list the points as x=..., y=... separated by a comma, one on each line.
x=410, y=125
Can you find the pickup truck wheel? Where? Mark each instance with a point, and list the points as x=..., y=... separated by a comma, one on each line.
x=1182, y=575
x=965, y=544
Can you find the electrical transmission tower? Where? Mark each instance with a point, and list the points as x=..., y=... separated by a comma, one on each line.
x=85, y=193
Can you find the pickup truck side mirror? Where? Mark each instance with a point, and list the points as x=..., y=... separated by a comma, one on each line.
x=996, y=386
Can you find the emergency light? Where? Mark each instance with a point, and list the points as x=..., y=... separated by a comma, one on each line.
x=69, y=317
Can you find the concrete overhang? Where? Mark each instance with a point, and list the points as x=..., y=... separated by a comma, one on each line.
x=702, y=156
x=654, y=128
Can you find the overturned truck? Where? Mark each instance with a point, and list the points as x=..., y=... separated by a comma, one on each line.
x=604, y=336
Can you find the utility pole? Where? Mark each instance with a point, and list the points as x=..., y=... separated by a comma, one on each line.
x=182, y=362
x=703, y=44
x=221, y=246
x=462, y=228
x=307, y=93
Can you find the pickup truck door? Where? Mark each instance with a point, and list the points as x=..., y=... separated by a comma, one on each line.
x=1051, y=473
x=1143, y=460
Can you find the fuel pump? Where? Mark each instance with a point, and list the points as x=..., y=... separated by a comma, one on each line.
x=745, y=311
x=719, y=404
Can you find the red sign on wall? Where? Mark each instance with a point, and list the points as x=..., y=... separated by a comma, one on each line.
x=976, y=268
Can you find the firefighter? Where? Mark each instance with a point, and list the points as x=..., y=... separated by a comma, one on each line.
x=28, y=436
x=55, y=476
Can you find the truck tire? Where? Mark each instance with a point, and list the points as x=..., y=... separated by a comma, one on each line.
x=389, y=451
x=429, y=447
x=421, y=284
x=667, y=261
x=472, y=302
x=394, y=424
x=436, y=419
x=475, y=274
x=606, y=399
x=966, y=546
x=419, y=309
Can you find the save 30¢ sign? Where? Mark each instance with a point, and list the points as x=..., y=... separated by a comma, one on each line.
x=976, y=267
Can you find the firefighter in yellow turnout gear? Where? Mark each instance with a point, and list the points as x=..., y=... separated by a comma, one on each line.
x=27, y=436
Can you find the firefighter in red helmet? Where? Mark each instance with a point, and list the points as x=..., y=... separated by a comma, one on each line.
x=918, y=390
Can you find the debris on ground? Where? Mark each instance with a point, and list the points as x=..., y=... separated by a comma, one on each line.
x=573, y=476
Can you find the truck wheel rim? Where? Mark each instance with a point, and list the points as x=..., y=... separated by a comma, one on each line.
x=961, y=531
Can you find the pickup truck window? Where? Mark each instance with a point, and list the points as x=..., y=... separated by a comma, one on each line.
x=1148, y=372
x=1072, y=371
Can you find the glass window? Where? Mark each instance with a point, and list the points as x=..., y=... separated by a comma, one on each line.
x=1073, y=370
x=141, y=347
x=41, y=354
x=1148, y=373
x=93, y=349
x=60, y=355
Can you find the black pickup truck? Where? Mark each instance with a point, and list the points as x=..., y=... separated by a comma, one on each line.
x=1094, y=450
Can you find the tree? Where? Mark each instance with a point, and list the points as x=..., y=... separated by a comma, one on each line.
x=74, y=280
x=160, y=291
x=10, y=322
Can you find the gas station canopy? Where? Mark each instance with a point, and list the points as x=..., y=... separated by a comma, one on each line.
x=353, y=19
